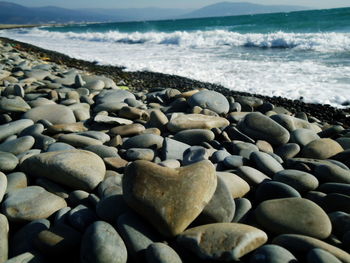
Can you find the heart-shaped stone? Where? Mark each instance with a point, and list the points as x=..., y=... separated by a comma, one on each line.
x=169, y=198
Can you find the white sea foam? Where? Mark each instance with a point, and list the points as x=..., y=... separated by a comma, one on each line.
x=219, y=56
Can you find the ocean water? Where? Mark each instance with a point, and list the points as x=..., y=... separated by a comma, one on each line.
x=295, y=55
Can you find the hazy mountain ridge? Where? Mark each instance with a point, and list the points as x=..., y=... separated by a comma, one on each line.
x=17, y=14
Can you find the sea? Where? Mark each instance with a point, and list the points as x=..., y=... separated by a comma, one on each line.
x=298, y=55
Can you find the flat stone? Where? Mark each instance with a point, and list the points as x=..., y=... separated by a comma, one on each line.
x=101, y=243
x=194, y=136
x=77, y=169
x=17, y=104
x=173, y=149
x=294, y=216
x=144, y=141
x=68, y=127
x=94, y=85
x=300, y=244
x=32, y=130
x=8, y=162
x=251, y=175
x=111, y=120
x=318, y=255
x=266, y=163
x=272, y=254
x=222, y=241
x=221, y=207
x=37, y=74
x=101, y=136
x=116, y=163
x=169, y=198
x=299, y=180
x=31, y=203
x=109, y=106
x=13, y=127
x=79, y=141
x=236, y=185
x=18, y=146
x=195, y=154
x=128, y=130
x=196, y=121
x=157, y=119
x=261, y=127
x=321, y=149
x=212, y=100
x=56, y=114
x=161, y=253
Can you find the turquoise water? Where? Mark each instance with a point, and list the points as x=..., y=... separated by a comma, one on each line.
x=295, y=55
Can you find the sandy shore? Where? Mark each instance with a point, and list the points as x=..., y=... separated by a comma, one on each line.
x=144, y=80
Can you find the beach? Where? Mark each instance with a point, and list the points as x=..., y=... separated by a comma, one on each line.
x=100, y=164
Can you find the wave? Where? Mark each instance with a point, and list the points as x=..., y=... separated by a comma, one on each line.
x=322, y=42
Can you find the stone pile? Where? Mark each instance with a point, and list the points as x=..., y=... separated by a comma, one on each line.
x=93, y=172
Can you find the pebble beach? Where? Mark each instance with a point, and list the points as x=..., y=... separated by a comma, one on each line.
x=102, y=165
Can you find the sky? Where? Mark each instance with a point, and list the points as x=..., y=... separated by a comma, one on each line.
x=173, y=4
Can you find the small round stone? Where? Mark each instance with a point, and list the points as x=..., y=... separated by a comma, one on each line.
x=301, y=181
x=212, y=100
x=161, y=253
x=272, y=254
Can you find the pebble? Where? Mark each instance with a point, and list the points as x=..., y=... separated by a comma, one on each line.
x=236, y=185
x=128, y=130
x=195, y=154
x=243, y=206
x=103, y=151
x=272, y=254
x=144, y=141
x=169, y=198
x=266, y=163
x=303, y=136
x=101, y=243
x=13, y=127
x=173, y=149
x=301, y=244
x=161, y=253
x=8, y=162
x=288, y=151
x=56, y=114
x=251, y=175
x=18, y=146
x=321, y=149
x=4, y=238
x=194, y=136
x=318, y=255
x=212, y=100
x=207, y=243
x=301, y=181
x=18, y=205
x=17, y=104
x=261, y=127
x=74, y=168
x=134, y=154
x=196, y=121
x=294, y=216
x=16, y=180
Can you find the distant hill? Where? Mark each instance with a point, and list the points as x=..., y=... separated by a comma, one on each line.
x=240, y=8
x=17, y=14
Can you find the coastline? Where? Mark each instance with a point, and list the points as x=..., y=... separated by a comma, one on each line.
x=145, y=80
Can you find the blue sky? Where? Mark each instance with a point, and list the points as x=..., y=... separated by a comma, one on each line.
x=172, y=3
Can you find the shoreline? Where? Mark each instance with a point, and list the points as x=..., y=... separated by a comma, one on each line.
x=145, y=80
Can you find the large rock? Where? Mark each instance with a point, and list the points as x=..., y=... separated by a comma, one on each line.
x=261, y=127
x=212, y=100
x=294, y=216
x=222, y=241
x=102, y=244
x=56, y=114
x=169, y=198
x=196, y=121
x=31, y=203
x=321, y=149
x=77, y=169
